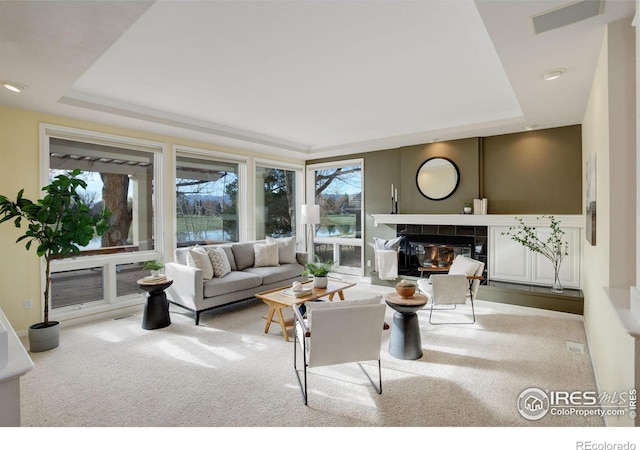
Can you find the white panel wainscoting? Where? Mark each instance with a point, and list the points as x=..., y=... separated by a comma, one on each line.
x=511, y=261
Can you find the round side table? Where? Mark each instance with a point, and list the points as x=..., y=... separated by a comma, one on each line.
x=156, y=309
x=405, y=342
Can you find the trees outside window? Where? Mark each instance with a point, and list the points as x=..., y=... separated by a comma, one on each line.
x=337, y=188
x=120, y=176
x=275, y=210
x=117, y=178
x=206, y=200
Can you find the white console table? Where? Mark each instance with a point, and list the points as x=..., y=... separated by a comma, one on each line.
x=17, y=364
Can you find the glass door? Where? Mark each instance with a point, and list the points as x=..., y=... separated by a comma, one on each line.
x=337, y=189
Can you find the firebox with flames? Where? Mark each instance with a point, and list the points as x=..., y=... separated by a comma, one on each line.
x=438, y=255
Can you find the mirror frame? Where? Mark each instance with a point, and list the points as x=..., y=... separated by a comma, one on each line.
x=454, y=189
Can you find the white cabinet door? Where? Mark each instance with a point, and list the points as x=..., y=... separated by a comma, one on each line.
x=512, y=262
x=508, y=260
x=542, y=269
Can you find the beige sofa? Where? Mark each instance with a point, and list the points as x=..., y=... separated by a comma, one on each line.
x=191, y=290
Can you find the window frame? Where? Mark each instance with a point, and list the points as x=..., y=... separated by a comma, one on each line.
x=337, y=242
x=107, y=262
x=213, y=155
x=298, y=169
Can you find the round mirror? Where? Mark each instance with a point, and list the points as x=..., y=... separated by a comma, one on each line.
x=438, y=178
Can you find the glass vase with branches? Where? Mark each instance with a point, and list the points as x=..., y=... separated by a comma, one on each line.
x=554, y=248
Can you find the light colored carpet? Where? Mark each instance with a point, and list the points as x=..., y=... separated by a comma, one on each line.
x=228, y=372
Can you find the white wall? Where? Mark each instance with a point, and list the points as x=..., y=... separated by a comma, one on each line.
x=609, y=132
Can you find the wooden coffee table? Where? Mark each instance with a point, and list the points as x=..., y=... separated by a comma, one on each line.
x=276, y=301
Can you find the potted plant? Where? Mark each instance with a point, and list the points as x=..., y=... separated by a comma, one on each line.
x=154, y=266
x=406, y=288
x=319, y=271
x=58, y=224
x=553, y=248
x=467, y=207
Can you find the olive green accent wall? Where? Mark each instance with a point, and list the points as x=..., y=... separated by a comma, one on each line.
x=534, y=172
x=537, y=172
x=381, y=169
x=463, y=152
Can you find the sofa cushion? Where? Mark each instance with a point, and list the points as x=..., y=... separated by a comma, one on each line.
x=233, y=282
x=286, y=249
x=244, y=254
x=232, y=261
x=266, y=255
x=219, y=262
x=199, y=258
x=275, y=274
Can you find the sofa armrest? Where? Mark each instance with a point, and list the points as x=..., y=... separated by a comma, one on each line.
x=302, y=257
x=187, y=288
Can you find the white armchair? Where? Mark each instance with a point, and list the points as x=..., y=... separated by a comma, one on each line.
x=337, y=333
x=451, y=290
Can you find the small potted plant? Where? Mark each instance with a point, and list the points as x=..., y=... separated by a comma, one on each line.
x=319, y=270
x=467, y=207
x=154, y=266
x=406, y=288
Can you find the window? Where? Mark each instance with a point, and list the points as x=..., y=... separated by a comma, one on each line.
x=206, y=201
x=122, y=175
x=337, y=189
x=275, y=202
x=118, y=179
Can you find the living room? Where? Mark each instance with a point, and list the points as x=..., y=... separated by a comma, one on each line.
x=606, y=129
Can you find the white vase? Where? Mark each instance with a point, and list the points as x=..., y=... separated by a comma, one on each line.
x=320, y=282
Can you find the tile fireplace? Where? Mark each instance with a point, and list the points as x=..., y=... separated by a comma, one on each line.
x=435, y=246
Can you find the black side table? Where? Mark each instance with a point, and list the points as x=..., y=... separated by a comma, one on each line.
x=405, y=342
x=156, y=309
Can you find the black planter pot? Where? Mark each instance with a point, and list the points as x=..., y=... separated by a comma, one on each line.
x=43, y=338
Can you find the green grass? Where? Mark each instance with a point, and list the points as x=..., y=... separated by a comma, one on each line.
x=198, y=223
x=339, y=220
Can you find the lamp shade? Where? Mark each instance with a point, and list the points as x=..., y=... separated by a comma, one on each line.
x=310, y=214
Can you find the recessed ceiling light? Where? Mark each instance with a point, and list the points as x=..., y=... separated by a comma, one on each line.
x=529, y=127
x=553, y=74
x=13, y=86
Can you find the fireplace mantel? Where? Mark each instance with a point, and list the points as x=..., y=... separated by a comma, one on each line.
x=501, y=220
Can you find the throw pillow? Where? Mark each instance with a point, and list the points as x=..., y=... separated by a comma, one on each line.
x=387, y=244
x=219, y=262
x=244, y=254
x=286, y=249
x=266, y=255
x=199, y=258
x=464, y=266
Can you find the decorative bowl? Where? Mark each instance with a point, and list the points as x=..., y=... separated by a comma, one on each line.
x=405, y=291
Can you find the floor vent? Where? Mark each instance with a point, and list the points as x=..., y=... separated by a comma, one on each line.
x=575, y=347
x=124, y=317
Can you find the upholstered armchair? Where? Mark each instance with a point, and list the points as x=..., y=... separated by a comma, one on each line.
x=450, y=290
x=337, y=333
